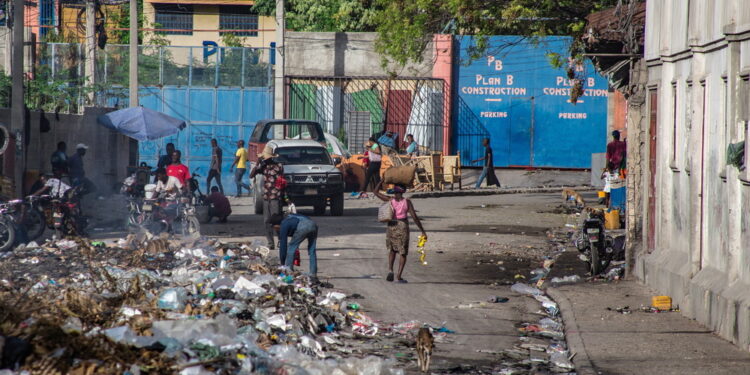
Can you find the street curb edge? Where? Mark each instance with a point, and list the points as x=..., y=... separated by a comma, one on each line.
x=573, y=334
x=464, y=193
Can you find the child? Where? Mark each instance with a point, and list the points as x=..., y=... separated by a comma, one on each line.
x=608, y=175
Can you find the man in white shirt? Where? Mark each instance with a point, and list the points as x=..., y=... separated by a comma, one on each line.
x=54, y=186
x=170, y=185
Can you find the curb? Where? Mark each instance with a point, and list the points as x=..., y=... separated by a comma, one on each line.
x=474, y=192
x=573, y=334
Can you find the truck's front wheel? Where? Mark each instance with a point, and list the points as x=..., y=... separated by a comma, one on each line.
x=337, y=205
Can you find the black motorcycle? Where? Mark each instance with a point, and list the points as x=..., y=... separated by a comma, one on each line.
x=597, y=248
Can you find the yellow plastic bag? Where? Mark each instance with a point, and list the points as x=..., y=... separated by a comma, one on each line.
x=420, y=249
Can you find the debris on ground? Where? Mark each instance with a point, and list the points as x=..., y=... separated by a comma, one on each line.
x=163, y=306
x=541, y=347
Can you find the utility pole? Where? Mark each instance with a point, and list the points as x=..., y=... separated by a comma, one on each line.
x=90, y=66
x=18, y=108
x=278, y=82
x=133, y=53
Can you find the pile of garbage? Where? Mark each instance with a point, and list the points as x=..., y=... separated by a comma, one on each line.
x=541, y=346
x=163, y=306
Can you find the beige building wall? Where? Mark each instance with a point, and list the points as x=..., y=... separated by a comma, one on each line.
x=206, y=17
x=698, y=58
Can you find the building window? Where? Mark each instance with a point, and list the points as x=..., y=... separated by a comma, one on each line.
x=174, y=19
x=238, y=17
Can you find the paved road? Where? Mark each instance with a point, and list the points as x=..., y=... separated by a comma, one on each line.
x=352, y=256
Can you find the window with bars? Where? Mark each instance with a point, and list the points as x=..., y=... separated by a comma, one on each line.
x=172, y=17
x=238, y=17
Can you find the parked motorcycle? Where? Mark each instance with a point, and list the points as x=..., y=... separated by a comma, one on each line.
x=160, y=215
x=597, y=249
x=66, y=214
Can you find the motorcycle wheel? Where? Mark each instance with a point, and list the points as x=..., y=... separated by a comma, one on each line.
x=594, y=264
x=7, y=235
x=34, y=224
x=190, y=225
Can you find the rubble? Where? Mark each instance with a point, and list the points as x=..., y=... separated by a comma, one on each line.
x=162, y=306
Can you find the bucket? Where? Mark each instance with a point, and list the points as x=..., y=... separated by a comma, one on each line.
x=612, y=219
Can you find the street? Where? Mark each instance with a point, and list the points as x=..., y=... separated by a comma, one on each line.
x=473, y=252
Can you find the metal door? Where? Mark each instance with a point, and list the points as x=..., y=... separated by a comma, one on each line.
x=520, y=132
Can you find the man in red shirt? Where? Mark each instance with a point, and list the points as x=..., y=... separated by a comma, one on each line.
x=220, y=206
x=177, y=169
x=616, y=151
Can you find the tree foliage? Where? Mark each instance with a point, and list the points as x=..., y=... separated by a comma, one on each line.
x=405, y=27
x=325, y=15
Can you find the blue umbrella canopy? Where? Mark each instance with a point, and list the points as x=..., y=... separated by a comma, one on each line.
x=142, y=123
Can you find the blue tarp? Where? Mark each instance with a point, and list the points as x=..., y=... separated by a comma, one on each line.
x=142, y=123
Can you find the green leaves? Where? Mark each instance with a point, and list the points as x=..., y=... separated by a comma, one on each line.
x=406, y=27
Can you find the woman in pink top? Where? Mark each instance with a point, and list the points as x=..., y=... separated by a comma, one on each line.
x=397, y=234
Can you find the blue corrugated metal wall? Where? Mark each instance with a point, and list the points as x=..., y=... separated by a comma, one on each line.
x=523, y=104
x=227, y=114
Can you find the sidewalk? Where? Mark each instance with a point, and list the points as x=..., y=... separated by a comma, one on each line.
x=608, y=342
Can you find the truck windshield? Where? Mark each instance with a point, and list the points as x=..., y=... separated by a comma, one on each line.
x=303, y=155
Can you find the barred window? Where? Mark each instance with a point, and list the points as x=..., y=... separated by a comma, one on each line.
x=172, y=17
x=238, y=17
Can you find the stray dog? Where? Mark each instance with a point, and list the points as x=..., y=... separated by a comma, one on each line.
x=571, y=195
x=425, y=343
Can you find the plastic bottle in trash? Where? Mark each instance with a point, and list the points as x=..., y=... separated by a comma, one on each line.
x=353, y=306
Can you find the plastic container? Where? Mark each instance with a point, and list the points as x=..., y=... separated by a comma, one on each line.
x=661, y=302
x=612, y=219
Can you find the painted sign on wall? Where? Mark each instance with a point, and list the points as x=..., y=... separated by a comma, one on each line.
x=524, y=103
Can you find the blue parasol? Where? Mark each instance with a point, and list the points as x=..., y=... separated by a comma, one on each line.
x=142, y=123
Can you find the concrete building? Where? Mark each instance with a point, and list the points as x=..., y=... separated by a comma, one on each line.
x=697, y=208
x=193, y=22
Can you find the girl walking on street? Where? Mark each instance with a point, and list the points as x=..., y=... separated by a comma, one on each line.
x=397, y=232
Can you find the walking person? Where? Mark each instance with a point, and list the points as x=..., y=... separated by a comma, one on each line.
x=488, y=171
x=214, y=170
x=271, y=171
x=375, y=155
x=300, y=228
x=240, y=160
x=397, y=232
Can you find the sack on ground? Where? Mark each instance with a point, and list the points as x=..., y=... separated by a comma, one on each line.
x=385, y=212
x=402, y=175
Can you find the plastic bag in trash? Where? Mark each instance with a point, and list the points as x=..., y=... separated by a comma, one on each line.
x=173, y=299
x=560, y=359
x=571, y=279
x=548, y=304
x=525, y=289
x=220, y=331
x=244, y=285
